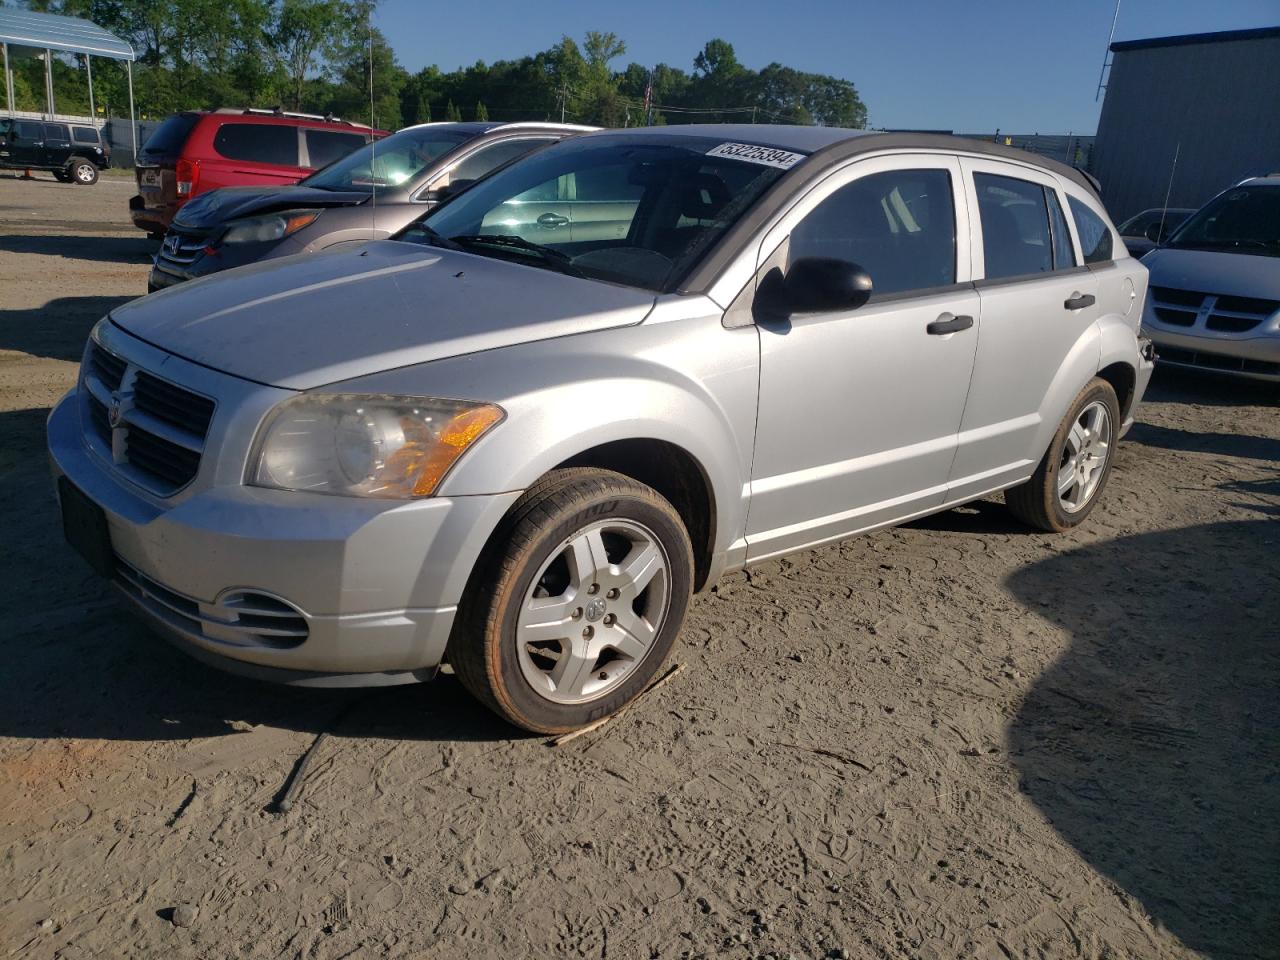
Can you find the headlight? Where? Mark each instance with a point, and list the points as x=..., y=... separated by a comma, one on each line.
x=274, y=226
x=366, y=446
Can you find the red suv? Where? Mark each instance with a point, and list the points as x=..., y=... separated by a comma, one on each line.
x=197, y=151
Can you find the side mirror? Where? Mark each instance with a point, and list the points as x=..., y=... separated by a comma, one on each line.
x=823, y=284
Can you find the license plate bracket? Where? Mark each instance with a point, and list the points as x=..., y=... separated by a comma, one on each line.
x=84, y=524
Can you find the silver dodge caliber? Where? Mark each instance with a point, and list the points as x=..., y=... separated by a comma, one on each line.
x=520, y=434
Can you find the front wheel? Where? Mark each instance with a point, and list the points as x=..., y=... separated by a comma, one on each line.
x=83, y=172
x=577, y=603
x=1070, y=479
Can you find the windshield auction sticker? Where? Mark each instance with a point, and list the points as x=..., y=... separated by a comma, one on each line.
x=752, y=153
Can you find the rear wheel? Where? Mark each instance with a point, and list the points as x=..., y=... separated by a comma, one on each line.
x=1070, y=479
x=578, y=603
x=83, y=171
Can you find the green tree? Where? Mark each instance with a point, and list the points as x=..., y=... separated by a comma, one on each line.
x=300, y=34
x=482, y=112
x=363, y=67
x=452, y=113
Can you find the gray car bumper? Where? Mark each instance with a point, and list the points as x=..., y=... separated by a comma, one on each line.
x=354, y=573
x=1257, y=358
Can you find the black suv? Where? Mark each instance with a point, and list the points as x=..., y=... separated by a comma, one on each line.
x=74, y=152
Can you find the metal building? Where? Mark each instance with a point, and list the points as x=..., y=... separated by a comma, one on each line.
x=1210, y=99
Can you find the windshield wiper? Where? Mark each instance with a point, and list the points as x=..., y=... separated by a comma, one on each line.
x=433, y=237
x=553, y=258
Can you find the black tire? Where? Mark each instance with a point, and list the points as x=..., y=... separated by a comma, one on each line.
x=83, y=172
x=1036, y=502
x=483, y=650
x=62, y=176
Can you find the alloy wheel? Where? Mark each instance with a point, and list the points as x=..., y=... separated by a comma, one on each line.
x=1084, y=457
x=594, y=611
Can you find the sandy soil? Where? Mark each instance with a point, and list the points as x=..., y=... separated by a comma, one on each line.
x=956, y=739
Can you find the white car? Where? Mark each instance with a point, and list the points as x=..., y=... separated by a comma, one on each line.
x=1214, y=299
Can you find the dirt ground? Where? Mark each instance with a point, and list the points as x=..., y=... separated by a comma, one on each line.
x=955, y=739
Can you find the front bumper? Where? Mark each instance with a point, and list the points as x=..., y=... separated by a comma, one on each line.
x=167, y=272
x=1255, y=358
x=377, y=583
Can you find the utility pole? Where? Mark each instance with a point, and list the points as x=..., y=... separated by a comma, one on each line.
x=564, y=94
x=48, y=80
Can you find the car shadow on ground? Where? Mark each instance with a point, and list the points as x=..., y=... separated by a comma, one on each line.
x=1153, y=743
x=1219, y=444
x=57, y=330
x=123, y=248
x=1177, y=385
x=79, y=665
x=981, y=518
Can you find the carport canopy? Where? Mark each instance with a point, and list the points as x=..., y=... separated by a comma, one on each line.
x=48, y=31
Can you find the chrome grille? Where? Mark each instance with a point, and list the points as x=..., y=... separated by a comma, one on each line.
x=1223, y=314
x=245, y=618
x=159, y=431
x=182, y=408
x=180, y=248
x=108, y=367
x=157, y=456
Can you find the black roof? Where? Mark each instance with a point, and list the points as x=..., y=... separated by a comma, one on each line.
x=1222, y=36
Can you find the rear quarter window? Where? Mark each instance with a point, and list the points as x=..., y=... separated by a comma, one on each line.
x=258, y=143
x=1095, y=235
x=84, y=135
x=326, y=146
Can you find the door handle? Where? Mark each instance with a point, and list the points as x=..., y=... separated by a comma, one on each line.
x=552, y=220
x=947, y=323
x=1078, y=301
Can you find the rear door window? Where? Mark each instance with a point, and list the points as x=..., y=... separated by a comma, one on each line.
x=1016, y=237
x=326, y=146
x=258, y=143
x=899, y=226
x=1095, y=235
x=57, y=132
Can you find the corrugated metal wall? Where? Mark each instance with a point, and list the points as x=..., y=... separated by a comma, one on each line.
x=1220, y=100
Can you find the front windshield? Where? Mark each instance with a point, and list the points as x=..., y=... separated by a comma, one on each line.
x=1243, y=220
x=390, y=162
x=619, y=209
x=1137, y=226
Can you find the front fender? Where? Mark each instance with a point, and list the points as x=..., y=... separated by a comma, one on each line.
x=687, y=381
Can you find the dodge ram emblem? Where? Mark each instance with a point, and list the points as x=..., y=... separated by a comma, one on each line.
x=114, y=411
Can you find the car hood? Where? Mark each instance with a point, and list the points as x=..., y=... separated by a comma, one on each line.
x=216, y=207
x=305, y=321
x=1210, y=271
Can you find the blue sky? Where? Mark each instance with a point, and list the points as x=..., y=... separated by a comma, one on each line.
x=1024, y=66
